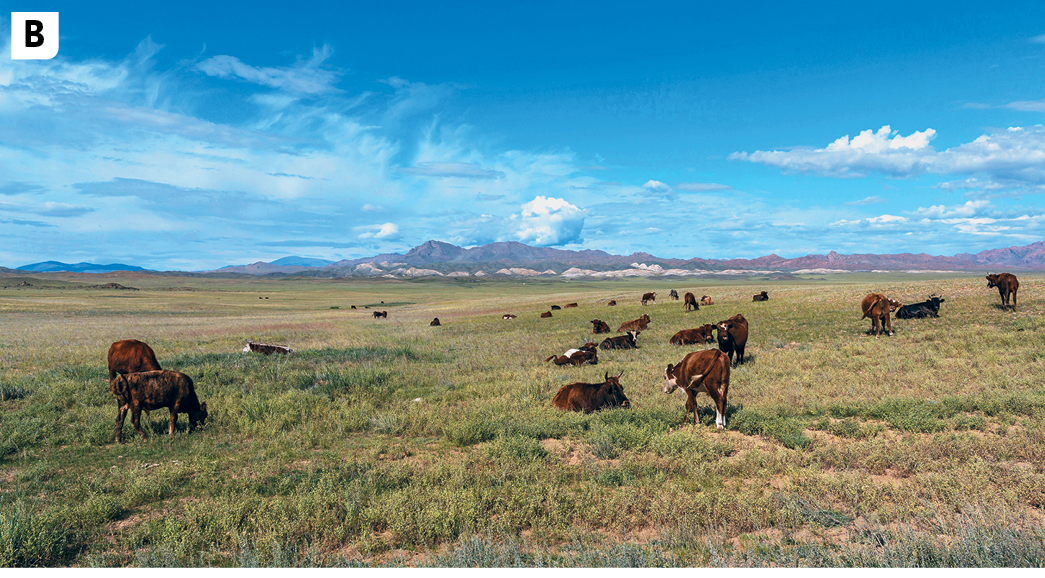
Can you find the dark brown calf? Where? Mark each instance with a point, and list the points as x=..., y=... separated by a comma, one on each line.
x=130, y=356
x=690, y=302
x=649, y=297
x=621, y=342
x=612, y=302
x=706, y=371
x=568, y=305
x=763, y=296
x=546, y=314
x=699, y=336
x=588, y=397
x=150, y=390
x=1007, y=284
x=379, y=314
x=435, y=322
x=586, y=353
x=732, y=336
x=599, y=326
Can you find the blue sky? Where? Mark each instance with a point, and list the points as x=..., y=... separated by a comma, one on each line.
x=192, y=136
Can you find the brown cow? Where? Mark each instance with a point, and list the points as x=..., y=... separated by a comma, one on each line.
x=599, y=326
x=435, y=322
x=568, y=305
x=588, y=397
x=690, y=300
x=380, y=314
x=877, y=308
x=149, y=390
x=612, y=302
x=621, y=342
x=130, y=356
x=763, y=296
x=639, y=324
x=706, y=300
x=546, y=314
x=699, y=336
x=508, y=316
x=732, y=336
x=587, y=353
x=266, y=348
x=706, y=371
x=649, y=297
x=1007, y=284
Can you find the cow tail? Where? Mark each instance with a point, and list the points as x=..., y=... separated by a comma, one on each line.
x=549, y=359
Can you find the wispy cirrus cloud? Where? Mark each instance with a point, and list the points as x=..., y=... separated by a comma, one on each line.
x=304, y=77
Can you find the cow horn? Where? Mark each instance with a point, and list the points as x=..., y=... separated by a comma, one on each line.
x=620, y=374
x=606, y=376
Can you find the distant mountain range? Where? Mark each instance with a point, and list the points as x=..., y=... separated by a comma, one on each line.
x=439, y=258
x=55, y=266
x=436, y=258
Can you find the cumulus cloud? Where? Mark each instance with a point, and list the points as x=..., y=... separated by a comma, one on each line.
x=386, y=231
x=548, y=221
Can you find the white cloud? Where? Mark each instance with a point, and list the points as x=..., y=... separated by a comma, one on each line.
x=701, y=187
x=387, y=231
x=305, y=77
x=866, y=201
x=548, y=221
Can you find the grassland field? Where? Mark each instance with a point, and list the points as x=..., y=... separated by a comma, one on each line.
x=393, y=443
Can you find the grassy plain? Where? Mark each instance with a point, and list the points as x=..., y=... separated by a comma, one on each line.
x=393, y=443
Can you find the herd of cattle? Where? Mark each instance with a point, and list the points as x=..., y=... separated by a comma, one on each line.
x=139, y=383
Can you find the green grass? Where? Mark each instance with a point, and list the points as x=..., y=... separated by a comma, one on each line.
x=393, y=443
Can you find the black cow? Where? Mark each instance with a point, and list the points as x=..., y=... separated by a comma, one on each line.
x=930, y=308
x=626, y=341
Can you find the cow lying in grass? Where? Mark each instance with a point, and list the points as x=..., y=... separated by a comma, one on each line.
x=699, y=336
x=266, y=349
x=621, y=342
x=150, y=390
x=586, y=353
x=588, y=397
x=639, y=324
x=930, y=308
x=599, y=326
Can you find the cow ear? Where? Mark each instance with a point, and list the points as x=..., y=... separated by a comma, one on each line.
x=203, y=406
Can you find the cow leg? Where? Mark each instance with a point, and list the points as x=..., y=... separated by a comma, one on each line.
x=136, y=415
x=888, y=324
x=121, y=413
x=174, y=420
x=1014, y=300
x=740, y=355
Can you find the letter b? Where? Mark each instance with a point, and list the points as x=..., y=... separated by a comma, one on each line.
x=34, y=35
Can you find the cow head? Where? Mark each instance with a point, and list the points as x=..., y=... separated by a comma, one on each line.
x=634, y=334
x=613, y=392
x=198, y=418
x=992, y=280
x=670, y=379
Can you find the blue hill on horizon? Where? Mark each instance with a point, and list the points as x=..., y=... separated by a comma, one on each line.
x=57, y=266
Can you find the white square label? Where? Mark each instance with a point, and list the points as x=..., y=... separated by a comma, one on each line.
x=34, y=35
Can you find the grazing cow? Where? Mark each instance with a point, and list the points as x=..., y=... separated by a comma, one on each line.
x=706, y=300
x=266, y=349
x=150, y=390
x=763, y=296
x=649, y=297
x=930, y=308
x=612, y=302
x=732, y=336
x=1007, y=284
x=699, y=336
x=690, y=301
x=546, y=314
x=589, y=397
x=599, y=326
x=353, y=307
x=435, y=322
x=556, y=308
x=626, y=341
x=586, y=353
x=673, y=295
x=508, y=316
x=379, y=314
x=639, y=324
x=877, y=308
x=568, y=305
x=706, y=371
x=130, y=356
